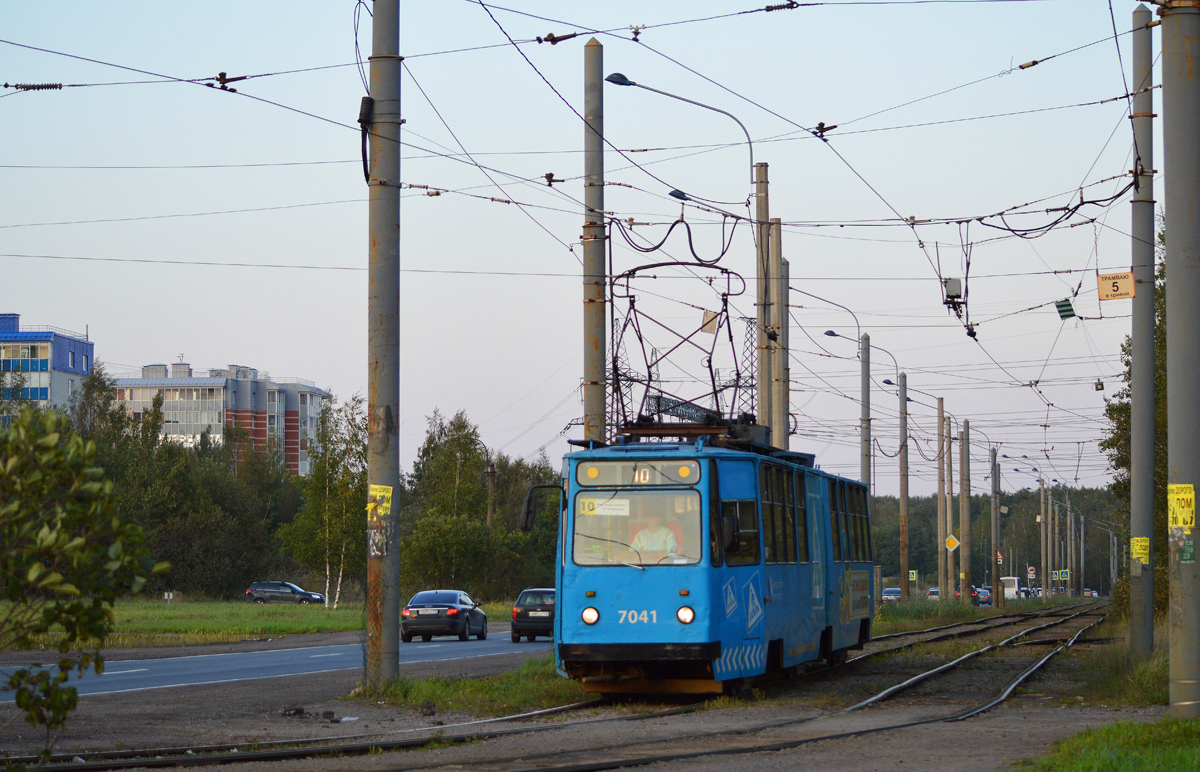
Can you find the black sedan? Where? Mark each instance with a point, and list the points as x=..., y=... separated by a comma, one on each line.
x=533, y=614
x=281, y=592
x=442, y=612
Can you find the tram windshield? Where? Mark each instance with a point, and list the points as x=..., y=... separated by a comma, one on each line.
x=637, y=527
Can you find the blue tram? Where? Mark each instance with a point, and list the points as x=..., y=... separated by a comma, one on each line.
x=690, y=567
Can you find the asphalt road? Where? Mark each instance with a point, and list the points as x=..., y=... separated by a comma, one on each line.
x=134, y=674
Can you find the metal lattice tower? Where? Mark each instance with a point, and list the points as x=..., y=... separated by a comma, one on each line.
x=748, y=393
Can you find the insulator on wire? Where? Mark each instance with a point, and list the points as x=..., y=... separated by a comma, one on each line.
x=34, y=86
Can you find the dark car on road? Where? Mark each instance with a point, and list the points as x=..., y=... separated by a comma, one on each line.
x=281, y=592
x=974, y=596
x=533, y=614
x=442, y=612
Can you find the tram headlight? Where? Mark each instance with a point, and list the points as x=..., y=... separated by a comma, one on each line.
x=685, y=614
x=590, y=616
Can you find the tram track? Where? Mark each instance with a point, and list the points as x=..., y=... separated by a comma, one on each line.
x=375, y=742
x=767, y=747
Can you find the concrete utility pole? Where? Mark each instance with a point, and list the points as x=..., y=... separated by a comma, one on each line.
x=1044, y=532
x=964, y=510
x=778, y=317
x=785, y=301
x=1181, y=146
x=762, y=247
x=491, y=478
x=1082, y=552
x=952, y=556
x=943, y=586
x=1112, y=561
x=382, y=116
x=902, y=384
x=997, y=585
x=1055, y=563
x=864, y=357
x=594, y=234
x=1142, y=361
x=1071, y=549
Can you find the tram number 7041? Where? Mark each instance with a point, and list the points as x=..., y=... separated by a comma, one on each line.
x=633, y=617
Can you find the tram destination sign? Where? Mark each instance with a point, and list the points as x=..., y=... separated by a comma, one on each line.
x=638, y=473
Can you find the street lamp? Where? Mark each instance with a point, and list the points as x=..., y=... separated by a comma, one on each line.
x=618, y=79
x=993, y=564
x=772, y=393
x=945, y=504
x=902, y=391
x=864, y=358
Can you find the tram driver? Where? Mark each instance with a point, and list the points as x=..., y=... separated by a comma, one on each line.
x=655, y=537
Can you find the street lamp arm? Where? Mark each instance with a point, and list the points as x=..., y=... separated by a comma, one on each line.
x=620, y=80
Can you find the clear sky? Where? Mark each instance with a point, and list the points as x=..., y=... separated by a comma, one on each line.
x=171, y=219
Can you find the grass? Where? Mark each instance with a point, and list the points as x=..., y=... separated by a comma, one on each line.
x=533, y=686
x=1109, y=675
x=498, y=610
x=156, y=623
x=153, y=622
x=1161, y=746
x=920, y=614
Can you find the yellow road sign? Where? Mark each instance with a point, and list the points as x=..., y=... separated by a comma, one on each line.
x=1115, y=286
x=951, y=543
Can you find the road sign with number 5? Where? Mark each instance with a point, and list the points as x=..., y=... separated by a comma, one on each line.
x=1115, y=286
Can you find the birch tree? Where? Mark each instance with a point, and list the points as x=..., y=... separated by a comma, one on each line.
x=329, y=532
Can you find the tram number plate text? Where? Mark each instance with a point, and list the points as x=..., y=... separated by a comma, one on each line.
x=633, y=617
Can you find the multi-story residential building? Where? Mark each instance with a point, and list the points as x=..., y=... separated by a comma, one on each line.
x=53, y=362
x=275, y=413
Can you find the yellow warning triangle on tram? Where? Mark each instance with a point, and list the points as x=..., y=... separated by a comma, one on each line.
x=951, y=543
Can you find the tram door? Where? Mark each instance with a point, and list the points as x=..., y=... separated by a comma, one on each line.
x=817, y=528
x=743, y=651
x=781, y=561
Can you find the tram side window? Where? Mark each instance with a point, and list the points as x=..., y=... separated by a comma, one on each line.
x=801, y=493
x=853, y=522
x=834, y=530
x=745, y=552
x=779, y=525
x=857, y=515
x=847, y=521
x=865, y=522
x=787, y=498
x=766, y=494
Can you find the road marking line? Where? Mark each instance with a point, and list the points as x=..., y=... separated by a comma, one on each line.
x=119, y=672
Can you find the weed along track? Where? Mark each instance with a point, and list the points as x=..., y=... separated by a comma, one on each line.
x=934, y=672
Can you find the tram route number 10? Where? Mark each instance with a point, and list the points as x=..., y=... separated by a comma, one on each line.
x=633, y=617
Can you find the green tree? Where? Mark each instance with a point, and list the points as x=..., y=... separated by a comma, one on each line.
x=66, y=558
x=445, y=539
x=1116, y=444
x=329, y=531
x=11, y=402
